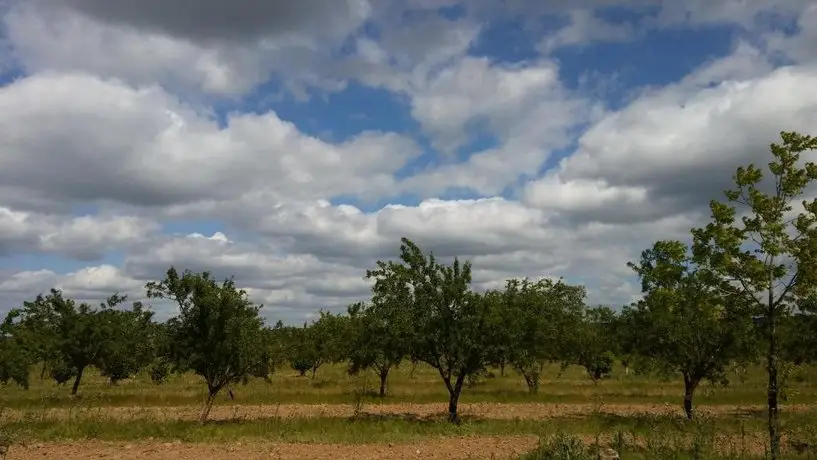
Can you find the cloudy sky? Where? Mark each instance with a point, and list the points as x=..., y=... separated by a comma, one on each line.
x=292, y=144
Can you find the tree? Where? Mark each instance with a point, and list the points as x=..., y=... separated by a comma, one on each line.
x=217, y=334
x=273, y=353
x=379, y=338
x=14, y=360
x=589, y=344
x=766, y=255
x=449, y=321
x=301, y=351
x=323, y=341
x=683, y=323
x=798, y=334
x=539, y=318
x=69, y=336
x=500, y=330
x=132, y=344
x=329, y=336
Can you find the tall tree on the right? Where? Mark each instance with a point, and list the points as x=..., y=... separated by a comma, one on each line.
x=764, y=251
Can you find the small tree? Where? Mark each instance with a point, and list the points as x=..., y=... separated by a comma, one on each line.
x=589, y=345
x=217, y=334
x=766, y=257
x=379, y=339
x=131, y=345
x=14, y=360
x=69, y=336
x=328, y=338
x=500, y=336
x=449, y=321
x=300, y=352
x=683, y=323
x=539, y=317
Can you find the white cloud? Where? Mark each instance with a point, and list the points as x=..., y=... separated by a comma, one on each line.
x=85, y=237
x=689, y=144
x=154, y=43
x=586, y=27
x=525, y=107
x=143, y=147
x=107, y=120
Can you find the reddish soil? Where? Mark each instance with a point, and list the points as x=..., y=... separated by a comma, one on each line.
x=446, y=448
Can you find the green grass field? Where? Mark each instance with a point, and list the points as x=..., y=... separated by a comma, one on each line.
x=639, y=416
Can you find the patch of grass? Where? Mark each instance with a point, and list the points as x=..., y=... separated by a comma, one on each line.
x=298, y=430
x=370, y=428
x=332, y=385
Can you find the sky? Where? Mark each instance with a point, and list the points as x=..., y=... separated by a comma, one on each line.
x=292, y=144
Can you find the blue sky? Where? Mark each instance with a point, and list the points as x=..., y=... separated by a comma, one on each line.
x=385, y=95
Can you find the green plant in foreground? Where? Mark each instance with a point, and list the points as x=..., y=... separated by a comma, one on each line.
x=561, y=447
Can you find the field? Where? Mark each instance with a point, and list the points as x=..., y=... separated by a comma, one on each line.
x=337, y=416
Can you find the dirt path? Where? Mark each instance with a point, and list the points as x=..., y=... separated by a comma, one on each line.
x=530, y=411
x=473, y=447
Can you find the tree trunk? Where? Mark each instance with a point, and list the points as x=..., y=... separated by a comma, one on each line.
x=413, y=368
x=314, y=370
x=454, y=397
x=532, y=379
x=77, y=379
x=211, y=398
x=502, y=369
x=772, y=369
x=384, y=374
x=690, y=385
x=302, y=372
x=595, y=376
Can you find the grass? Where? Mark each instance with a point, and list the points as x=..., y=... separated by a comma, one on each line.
x=657, y=435
x=372, y=429
x=333, y=386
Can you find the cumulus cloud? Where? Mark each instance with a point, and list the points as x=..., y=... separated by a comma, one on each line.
x=85, y=238
x=586, y=27
x=524, y=107
x=113, y=135
x=684, y=147
x=141, y=146
x=218, y=20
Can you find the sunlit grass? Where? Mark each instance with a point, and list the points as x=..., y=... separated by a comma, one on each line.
x=332, y=386
x=383, y=429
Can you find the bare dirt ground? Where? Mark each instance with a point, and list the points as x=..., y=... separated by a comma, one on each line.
x=528, y=411
x=473, y=447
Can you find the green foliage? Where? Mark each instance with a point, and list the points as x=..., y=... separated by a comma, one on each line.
x=684, y=324
x=272, y=354
x=14, y=358
x=159, y=371
x=330, y=336
x=68, y=336
x=14, y=362
x=217, y=334
x=131, y=345
x=302, y=349
x=379, y=337
x=765, y=257
x=588, y=343
x=62, y=372
x=561, y=447
x=449, y=321
x=539, y=319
